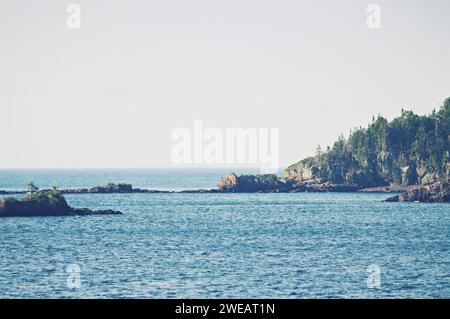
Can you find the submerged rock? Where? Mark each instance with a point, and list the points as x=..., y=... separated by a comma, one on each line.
x=393, y=199
x=44, y=203
x=438, y=192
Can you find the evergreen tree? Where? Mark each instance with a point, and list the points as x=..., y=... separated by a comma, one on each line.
x=405, y=150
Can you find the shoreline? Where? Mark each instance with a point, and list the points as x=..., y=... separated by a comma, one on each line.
x=271, y=183
x=98, y=190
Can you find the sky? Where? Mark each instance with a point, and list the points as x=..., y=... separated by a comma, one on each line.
x=112, y=92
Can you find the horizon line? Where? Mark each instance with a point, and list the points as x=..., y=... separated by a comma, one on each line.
x=282, y=167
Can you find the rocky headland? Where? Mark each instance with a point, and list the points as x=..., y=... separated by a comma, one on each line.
x=408, y=155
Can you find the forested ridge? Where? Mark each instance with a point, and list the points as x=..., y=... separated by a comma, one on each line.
x=410, y=149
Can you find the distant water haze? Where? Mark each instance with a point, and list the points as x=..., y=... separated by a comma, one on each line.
x=111, y=93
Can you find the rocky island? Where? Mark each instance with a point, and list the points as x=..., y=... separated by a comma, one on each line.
x=45, y=203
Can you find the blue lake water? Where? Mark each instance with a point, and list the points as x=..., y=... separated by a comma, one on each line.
x=221, y=245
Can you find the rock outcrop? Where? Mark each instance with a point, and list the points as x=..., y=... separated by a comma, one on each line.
x=270, y=183
x=228, y=183
x=231, y=183
x=438, y=192
x=112, y=188
x=44, y=203
x=302, y=171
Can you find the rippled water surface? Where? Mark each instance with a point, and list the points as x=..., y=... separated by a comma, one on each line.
x=223, y=245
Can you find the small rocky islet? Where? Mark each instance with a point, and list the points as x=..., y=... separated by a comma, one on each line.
x=45, y=203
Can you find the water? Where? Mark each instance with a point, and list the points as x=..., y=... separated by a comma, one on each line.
x=162, y=179
x=221, y=245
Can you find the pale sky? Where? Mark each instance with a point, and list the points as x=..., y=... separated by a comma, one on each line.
x=111, y=93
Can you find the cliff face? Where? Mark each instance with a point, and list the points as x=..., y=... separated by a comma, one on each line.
x=410, y=150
